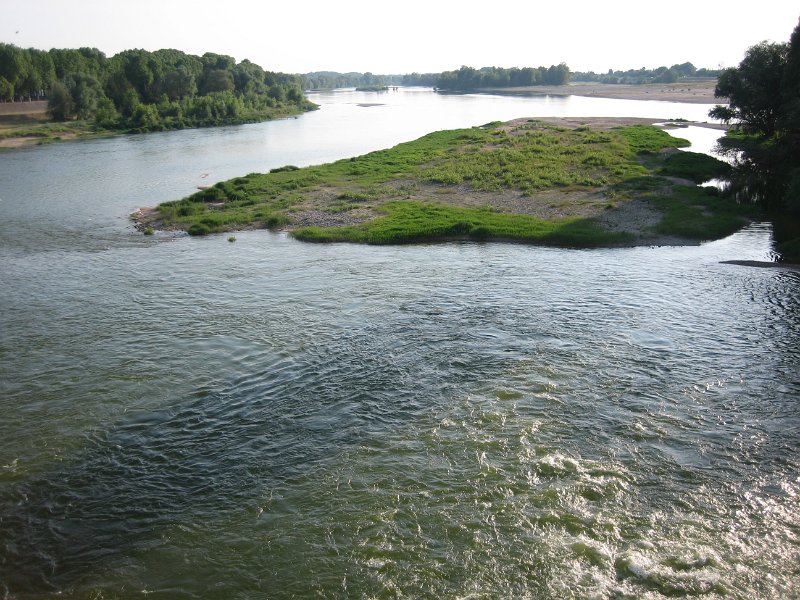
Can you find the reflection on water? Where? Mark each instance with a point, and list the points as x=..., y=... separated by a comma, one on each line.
x=196, y=418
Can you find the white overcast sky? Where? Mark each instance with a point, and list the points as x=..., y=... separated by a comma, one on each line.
x=412, y=35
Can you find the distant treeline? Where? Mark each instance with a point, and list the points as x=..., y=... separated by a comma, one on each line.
x=469, y=78
x=329, y=80
x=147, y=91
x=465, y=78
x=638, y=76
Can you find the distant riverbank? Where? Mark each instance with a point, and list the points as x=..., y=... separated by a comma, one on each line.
x=696, y=92
x=24, y=124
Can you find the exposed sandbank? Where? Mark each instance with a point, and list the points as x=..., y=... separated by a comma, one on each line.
x=700, y=92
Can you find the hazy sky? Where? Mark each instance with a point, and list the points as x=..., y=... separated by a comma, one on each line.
x=413, y=35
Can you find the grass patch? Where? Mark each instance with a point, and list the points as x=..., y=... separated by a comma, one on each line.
x=647, y=139
x=407, y=222
x=700, y=213
x=695, y=167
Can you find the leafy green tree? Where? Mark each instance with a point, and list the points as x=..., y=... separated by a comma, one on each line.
x=6, y=90
x=179, y=83
x=666, y=76
x=84, y=60
x=764, y=96
x=295, y=94
x=40, y=73
x=86, y=92
x=143, y=71
x=59, y=103
x=221, y=62
x=248, y=78
x=145, y=117
x=753, y=89
x=277, y=93
x=789, y=117
x=15, y=65
x=106, y=114
x=217, y=80
x=686, y=69
x=130, y=102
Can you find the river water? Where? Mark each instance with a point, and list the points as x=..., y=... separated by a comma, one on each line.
x=193, y=418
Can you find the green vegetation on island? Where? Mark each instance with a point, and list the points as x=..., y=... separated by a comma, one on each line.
x=527, y=181
x=137, y=90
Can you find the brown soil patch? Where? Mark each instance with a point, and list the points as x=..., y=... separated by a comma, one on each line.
x=26, y=141
x=23, y=108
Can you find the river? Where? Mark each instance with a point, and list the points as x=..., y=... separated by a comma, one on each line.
x=193, y=418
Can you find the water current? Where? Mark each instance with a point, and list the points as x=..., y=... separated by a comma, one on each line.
x=193, y=418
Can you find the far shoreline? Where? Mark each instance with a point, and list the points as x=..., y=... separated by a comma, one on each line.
x=695, y=92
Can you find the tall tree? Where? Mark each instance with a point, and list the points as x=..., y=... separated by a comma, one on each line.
x=753, y=89
x=15, y=66
x=86, y=92
x=60, y=104
x=179, y=83
x=217, y=80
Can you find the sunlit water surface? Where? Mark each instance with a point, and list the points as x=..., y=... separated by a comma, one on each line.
x=193, y=418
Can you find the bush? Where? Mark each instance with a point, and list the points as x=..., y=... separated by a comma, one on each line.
x=199, y=229
x=697, y=167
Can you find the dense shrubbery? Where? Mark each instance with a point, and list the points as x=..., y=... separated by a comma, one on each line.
x=144, y=91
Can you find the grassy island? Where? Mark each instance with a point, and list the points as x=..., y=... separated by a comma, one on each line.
x=578, y=182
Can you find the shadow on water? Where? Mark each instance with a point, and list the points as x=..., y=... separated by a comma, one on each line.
x=216, y=451
x=219, y=451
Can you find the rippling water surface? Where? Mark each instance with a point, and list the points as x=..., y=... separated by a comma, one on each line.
x=191, y=418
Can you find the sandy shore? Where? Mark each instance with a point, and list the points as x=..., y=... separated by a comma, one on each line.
x=698, y=92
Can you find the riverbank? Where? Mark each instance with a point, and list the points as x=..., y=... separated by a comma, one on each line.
x=25, y=124
x=695, y=92
x=569, y=181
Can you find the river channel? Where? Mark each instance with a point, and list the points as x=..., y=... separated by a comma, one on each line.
x=192, y=418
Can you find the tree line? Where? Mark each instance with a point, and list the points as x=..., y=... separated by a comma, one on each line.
x=661, y=74
x=763, y=94
x=465, y=78
x=141, y=90
x=469, y=78
x=329, y=80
